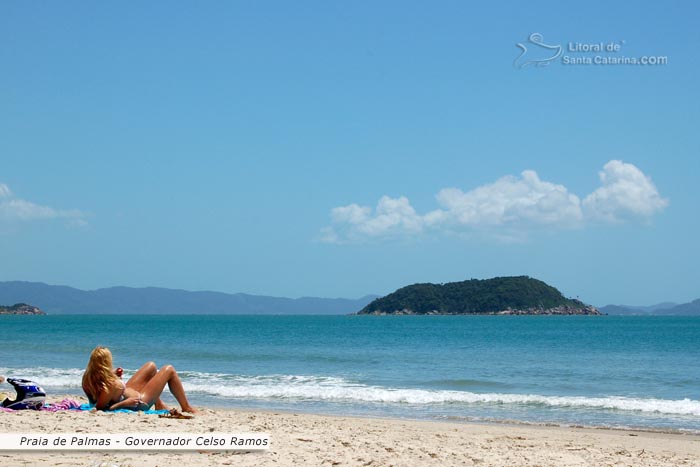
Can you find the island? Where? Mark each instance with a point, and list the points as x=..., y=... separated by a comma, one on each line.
x=517, y=295
x=20, y=309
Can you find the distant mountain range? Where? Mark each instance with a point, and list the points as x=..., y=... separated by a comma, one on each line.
x=58, y=299
x=661, y=309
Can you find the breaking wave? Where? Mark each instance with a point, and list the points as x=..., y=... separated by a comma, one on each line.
x=337, y=389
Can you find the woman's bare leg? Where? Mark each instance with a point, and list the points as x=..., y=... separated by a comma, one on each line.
x=166, y=375
x=142, y=376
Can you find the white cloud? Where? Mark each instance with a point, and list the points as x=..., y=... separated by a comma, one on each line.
x=625, y=193
x=392, y=216
x=505, y=209
x=13, y=209
x=509, y=201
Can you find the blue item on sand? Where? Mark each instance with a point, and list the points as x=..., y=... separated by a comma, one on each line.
x=150, y=412
x=29, y=395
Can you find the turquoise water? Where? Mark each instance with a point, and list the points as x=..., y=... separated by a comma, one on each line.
x=601, y=371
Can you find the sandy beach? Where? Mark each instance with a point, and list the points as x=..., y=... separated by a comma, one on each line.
x=304, y=439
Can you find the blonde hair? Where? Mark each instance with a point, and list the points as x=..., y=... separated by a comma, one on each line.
x=98, y=375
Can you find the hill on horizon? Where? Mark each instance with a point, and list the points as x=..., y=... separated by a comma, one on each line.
x=518, y=295
x=60, y=299
x=660, y=309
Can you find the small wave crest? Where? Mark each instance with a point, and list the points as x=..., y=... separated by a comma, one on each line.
x=340, y=389
x=49, y=377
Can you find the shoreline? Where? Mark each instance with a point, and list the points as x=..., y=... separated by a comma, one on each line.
x=211, y=404
x=467, y=420
x=333, y=440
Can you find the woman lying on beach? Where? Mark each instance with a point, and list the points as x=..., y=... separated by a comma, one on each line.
x=104, y=387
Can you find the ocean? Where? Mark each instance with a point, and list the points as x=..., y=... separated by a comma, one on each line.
x=604, y=371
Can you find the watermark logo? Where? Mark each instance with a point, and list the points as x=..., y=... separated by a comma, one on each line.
x=533, y=48
x=535, y=52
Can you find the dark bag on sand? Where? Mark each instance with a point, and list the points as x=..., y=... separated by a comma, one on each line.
x=29, y=395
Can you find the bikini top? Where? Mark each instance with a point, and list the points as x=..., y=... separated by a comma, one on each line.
x=121, y=396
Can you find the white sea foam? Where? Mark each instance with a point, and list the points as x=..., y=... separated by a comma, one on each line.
x=330, y=389
x=339, y=389
x=50, y=377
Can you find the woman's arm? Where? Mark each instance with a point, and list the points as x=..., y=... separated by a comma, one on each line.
x=103, y=400
x=89, y=396
x=129, y=402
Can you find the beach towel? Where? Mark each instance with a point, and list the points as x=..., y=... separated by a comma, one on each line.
x=149, y=412
x=70, y=404
x=65, y=404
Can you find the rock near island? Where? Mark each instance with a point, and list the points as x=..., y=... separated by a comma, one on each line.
x=20, y=309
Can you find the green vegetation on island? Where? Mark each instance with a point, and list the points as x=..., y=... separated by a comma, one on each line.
x=20, y=309
x=520, y=295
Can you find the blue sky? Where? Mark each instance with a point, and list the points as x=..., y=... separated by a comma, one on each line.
x=244, y=147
